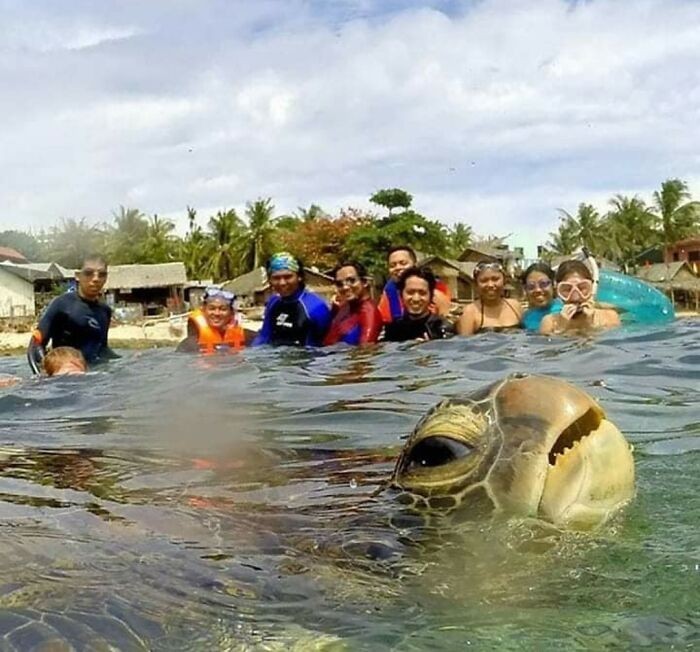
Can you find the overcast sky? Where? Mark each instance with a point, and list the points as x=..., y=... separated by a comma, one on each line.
x=492, y=112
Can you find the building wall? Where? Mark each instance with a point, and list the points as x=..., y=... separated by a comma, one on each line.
x=16, y=296
x=689, y=251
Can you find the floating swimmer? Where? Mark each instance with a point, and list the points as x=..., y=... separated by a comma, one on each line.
x=527, y=445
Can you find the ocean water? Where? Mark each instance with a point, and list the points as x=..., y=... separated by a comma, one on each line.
x=174, y=502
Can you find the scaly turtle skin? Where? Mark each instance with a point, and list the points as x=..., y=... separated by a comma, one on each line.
x=527, y=445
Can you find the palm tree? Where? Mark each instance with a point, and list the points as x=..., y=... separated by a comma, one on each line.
x=126, y=239
x=310, y=214
x=630, y=227
x=160, y=243
x=460, y=237
x=259, y=236
x=72, y=240
x=194, y=248
x=226, y=232
x=678, y=217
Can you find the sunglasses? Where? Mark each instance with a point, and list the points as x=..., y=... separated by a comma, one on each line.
x=543, y=284
x=215, y=293
x=483, y=266
x=89, y=273
x=566, y=289
x=351, y=280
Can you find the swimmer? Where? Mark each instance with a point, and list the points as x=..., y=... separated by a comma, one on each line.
x=293, y=315
x=78, y=319
x=417, y=288
x=64, y=361
x=575, y=289
x=356, y=319
x=399, y=259
x=538, y=281
x=491, y=312
x=214, y=326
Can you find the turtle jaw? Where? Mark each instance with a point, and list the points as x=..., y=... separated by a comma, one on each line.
x=590, y=473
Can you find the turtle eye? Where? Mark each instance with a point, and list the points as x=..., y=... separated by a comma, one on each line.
x=436, y=451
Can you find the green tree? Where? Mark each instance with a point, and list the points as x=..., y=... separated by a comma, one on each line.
x=259, y=236
x=392, y=198
x=161, y=245
x=26, y=243
x=628, y=229
x=313, y=212
x=678, y=217
x=223, y=245
x=72, y=240
x=126, y=239
x=194, y=248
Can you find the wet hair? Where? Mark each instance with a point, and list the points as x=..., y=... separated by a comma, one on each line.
x=539, y=266
x=573, y=267
x=57, y=357
x=419, y=272
x=405, y=248
x=93, y=258
x=359, y=268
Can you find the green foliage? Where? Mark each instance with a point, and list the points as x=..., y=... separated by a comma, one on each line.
x=259, y=237
x=126, y=238
x=392, y=198
x=27, y=244
x=222, y=247
x=69, y=242
x=459, y=237
x=679, y=218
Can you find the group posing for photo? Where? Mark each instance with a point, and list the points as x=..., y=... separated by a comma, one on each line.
x=414, y=306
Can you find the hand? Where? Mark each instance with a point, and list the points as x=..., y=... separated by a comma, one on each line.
x=588, y=309
x=569, y=311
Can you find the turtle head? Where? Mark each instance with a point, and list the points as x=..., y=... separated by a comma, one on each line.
x=529, y=445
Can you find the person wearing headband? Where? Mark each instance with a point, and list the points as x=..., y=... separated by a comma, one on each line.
x=575, y=288
x=213, y=326
x=76, y=318
x=491, y=311
x=294, y=316
x=390, y=305
x=356, y=319
x=538, y=281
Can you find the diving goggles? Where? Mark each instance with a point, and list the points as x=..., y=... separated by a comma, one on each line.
x=486, y=265
x=542, y=284
x=216, y=293
x=566, y=289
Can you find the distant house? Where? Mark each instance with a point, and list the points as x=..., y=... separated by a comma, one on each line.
x=511, y=259
x=685, y=250
x=47, y=280
x=677, y=279
x=8, y=254
x=457, y=276
x=148, y=289
x=253, y=289
x=16, y=295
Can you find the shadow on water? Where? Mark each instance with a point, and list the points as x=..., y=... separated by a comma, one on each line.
x=173, y=502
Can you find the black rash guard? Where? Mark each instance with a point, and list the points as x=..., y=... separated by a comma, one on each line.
x=73, y=321
x=404, y=328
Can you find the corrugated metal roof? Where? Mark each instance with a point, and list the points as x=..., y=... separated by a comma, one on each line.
x=146, y=276
x=39, y=271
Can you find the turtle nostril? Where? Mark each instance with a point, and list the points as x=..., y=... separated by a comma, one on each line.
x=436, y=451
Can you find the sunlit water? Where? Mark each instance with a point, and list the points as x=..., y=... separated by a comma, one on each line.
x=172, y=502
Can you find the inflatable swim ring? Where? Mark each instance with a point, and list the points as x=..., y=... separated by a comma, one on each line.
x=637, y=301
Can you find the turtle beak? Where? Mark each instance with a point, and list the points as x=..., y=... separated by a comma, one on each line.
x=590, y=472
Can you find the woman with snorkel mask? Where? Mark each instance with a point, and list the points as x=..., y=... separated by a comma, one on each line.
x=491, y=311
x=575, y=287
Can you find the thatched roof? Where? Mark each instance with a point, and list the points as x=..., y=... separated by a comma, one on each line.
x=122, y=277
x=677, y=275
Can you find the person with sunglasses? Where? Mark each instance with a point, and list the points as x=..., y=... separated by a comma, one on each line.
x=213, y=326
x=538, y=280
x=76, y=318
x=356, y=319
x=575, y=289
x=491, y=312
x=417, y=287
x=294, y=316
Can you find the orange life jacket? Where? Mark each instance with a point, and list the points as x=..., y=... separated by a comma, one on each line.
x=209, y=338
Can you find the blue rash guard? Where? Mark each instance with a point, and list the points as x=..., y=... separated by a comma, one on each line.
x=301, y=319
x=533, y=317
x=73, y=321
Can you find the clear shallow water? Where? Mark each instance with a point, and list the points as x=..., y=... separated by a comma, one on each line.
x=171, y=502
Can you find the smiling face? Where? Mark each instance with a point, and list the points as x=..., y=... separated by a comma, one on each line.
x=285, y=282
x=490, y=284
x=91, y=279
x=217, y=312
x=575, y=288
x=398, y=262
x=416, y=296
x=539, y=289
x=349, y=284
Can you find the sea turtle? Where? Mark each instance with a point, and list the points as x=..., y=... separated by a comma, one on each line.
x=527, y=445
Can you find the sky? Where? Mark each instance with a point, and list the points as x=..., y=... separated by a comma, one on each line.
x=496, y=113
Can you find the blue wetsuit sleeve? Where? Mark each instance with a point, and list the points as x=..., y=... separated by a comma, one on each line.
x=264, y=335
x=320, y=317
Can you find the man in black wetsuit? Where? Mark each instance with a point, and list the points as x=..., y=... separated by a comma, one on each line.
x=76, y=319
x=417, y=288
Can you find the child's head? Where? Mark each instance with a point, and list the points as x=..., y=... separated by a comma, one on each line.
x=63, y=361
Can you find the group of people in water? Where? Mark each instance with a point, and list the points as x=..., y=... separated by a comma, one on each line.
x=414, y=306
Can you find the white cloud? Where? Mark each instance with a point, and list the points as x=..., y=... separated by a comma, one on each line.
x=496, y=114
